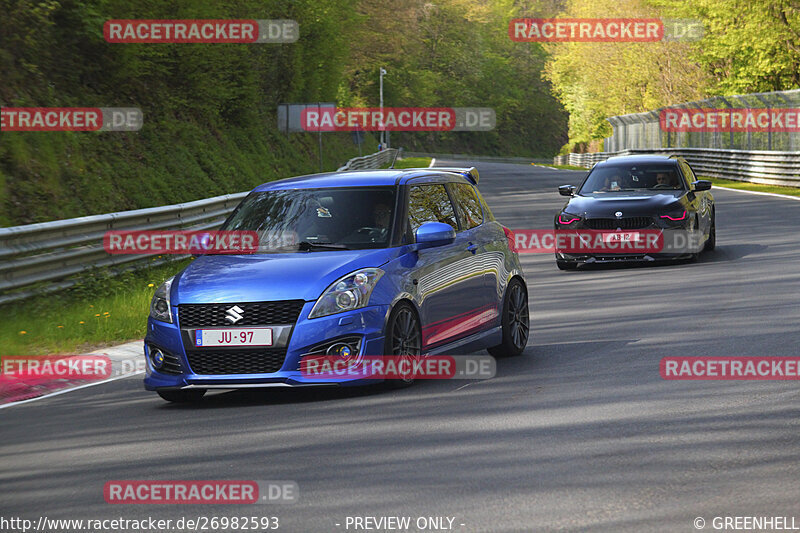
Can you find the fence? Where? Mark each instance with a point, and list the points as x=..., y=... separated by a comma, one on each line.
x=769, y=167
x=642, y=131
x=39, y=258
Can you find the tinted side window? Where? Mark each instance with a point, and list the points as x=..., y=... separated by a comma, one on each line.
x=469, y=209
x=429, y=203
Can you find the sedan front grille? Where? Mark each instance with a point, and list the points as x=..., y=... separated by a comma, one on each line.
x=239, y=361
x=253, y=314
x=622, y=223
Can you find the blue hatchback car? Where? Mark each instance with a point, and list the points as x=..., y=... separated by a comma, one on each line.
x=349, y=264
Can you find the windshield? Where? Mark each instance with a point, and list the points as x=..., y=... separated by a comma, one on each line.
x=317, y=219
x=610, y=179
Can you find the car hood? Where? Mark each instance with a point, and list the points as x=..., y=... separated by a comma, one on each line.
x=266, y=277
x=631, y=205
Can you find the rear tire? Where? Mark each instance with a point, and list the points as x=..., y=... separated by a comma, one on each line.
x=403, y=339
x=182, y=396
x=515, y=321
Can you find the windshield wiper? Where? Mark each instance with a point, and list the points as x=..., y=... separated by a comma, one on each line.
x=305, y=246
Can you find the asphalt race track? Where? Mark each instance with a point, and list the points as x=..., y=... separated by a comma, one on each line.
x=578, y=434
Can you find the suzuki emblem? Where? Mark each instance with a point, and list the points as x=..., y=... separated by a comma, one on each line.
x=618, y=214
x=233, y=315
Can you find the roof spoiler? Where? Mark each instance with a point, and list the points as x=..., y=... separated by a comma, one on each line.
x=470, y=173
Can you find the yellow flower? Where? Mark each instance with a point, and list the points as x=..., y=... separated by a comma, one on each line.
x=60, y=327
x=150, y=285
x=106, y=313
x=98, y=314
x=91, y=306
x=23, y=332
x=81, y=322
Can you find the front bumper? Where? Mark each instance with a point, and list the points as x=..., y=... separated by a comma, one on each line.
x=366, y=323
x=676, y=243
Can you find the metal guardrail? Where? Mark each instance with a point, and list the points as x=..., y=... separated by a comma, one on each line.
x=484, y=158
x=40, y=258
x=756, y=166
x=376, y=160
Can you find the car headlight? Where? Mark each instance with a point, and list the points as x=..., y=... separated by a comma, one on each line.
x=347, y=293
x=567, y=219
x=160, y=306
x=679, y=215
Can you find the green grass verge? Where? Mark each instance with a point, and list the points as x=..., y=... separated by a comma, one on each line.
x=103, y=310
x=747, y=186
x=413, y=162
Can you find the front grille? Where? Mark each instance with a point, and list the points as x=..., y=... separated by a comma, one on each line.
x=253, y=314
x=622, y=223
x=240, y=361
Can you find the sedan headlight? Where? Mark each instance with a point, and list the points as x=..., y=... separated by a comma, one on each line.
x=567, y=219
x=347, y=293
x=679, y=215
x=160, y=306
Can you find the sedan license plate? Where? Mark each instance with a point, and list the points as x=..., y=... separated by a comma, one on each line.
x=621, y=236
x=233, y=337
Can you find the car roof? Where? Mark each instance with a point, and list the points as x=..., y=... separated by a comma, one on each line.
x=637, y=160
x=363, y=178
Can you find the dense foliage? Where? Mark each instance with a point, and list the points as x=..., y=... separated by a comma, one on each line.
x=210, y=110
x=748, y=46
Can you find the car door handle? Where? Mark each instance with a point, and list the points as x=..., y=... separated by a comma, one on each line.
x=472, y=248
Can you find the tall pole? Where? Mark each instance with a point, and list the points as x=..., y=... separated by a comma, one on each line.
x=383, y=136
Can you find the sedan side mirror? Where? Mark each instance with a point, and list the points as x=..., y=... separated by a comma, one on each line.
x=567, y=190
x=432, y=234
x=701, y=185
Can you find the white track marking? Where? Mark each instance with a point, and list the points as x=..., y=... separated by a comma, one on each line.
x=758, y=192
x=64, y=391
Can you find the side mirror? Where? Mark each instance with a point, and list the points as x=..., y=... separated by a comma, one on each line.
x=567, y=190
x=701, y=185
x=432, y=234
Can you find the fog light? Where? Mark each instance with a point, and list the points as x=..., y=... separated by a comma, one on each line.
x=156, y=357
x=342, y=350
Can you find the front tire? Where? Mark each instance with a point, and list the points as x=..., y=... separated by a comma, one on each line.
x=403, y=340
x=515, y=321
x=182, y=396
x=711, y=243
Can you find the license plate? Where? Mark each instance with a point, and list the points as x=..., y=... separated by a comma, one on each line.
x=233, y=337
x=621, y=236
